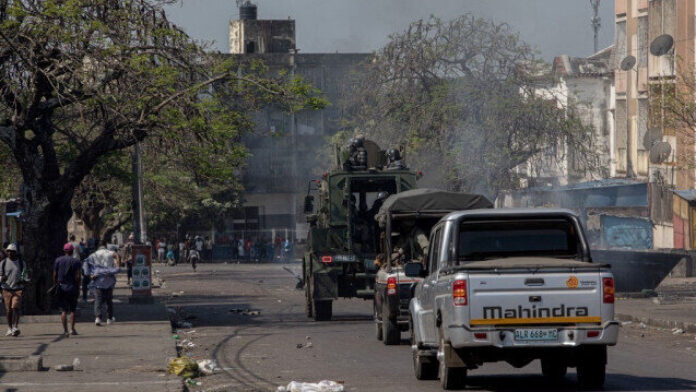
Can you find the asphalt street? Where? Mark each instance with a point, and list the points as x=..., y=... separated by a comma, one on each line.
x=259, y=352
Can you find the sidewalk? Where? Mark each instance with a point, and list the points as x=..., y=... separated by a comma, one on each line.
x=130, y=355
x=674, y=308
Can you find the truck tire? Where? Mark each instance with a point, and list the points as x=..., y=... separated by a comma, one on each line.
x=553, y=368
x=390, y=330
x=322, y=310
x=592, y=367
x=378, y=325
x=424, y=367
x=451, y=378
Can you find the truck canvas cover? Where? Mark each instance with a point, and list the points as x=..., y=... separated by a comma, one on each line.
x=430, y=201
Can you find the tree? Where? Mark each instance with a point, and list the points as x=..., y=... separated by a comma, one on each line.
x=461, y=97
x=82, y=79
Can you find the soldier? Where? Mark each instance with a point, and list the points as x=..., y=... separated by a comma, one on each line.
x=412, y=244
x=394, y=161
x=357, y=160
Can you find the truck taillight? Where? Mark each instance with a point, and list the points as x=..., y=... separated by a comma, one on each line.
x=459, y=293
x=608, y=286
x=326, y=259
x=391, y=286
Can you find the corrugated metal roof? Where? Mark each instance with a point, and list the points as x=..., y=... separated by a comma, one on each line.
x=687, y=194
x=604, y=183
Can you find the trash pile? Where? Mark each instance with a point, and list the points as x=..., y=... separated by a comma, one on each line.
x=321, y=386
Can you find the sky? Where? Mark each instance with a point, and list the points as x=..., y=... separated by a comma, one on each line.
x=553, y=27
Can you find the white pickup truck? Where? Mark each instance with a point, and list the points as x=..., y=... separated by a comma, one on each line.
x=511, y=285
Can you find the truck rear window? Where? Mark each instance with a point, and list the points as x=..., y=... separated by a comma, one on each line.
x=481, y=240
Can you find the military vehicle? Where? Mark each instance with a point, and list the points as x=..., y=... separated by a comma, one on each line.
x=405, y=219
x=343, y=236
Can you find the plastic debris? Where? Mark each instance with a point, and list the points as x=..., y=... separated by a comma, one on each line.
x=208, y=366
x=677, y=331
x=175, y=336
x=321, y=386
x=183, y=367
x=642, y=325
x=177, y=293
x=186, y=344
x=191, y=382
x=76, y=363
x=626, y=323
x=64, y=368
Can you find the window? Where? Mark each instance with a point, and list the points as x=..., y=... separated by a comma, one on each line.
x=434, y=250
x=516, y=238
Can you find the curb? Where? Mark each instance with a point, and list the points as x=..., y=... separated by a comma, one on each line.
x=16, y=363
x=689, y=327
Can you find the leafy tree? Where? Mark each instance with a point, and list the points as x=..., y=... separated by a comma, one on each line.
x=462, y=98
x=83, y=79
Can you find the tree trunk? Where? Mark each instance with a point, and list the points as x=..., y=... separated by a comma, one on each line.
x=44, y=232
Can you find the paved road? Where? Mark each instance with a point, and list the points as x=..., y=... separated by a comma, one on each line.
x=258, y=353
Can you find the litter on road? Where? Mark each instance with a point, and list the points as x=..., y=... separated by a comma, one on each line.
x=208, y=366
x=321, y=386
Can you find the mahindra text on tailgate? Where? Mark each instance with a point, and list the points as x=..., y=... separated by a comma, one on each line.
x=545, y=299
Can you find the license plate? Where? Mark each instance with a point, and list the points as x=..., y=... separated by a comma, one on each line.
x=535, y=335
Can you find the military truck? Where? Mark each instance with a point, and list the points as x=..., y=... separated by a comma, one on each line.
x=342, y=241
x=402, y=219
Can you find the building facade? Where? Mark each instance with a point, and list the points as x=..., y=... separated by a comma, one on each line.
x=287, y=149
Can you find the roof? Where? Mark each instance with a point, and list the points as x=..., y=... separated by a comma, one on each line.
x=426, y=200
x=687, y=194
x=566, y=66
x=506, y=212
x=587, y=185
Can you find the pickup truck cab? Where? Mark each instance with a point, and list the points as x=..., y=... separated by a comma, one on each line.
x=511, y=285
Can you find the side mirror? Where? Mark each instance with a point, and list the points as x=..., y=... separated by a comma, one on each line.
x=413, y=270
x=308, y=204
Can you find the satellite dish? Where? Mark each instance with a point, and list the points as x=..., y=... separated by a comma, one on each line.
x=661, y=45
x=660, y=152
x=628, y=63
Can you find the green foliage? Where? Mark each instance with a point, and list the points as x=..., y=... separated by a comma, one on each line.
x=459, y=96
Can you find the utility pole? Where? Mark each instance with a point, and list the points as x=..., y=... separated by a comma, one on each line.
x=596, y=23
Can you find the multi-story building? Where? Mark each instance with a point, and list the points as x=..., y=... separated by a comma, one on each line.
x=640, y=85
x=287, y=149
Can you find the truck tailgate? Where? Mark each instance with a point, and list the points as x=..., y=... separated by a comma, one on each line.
x=557, y=298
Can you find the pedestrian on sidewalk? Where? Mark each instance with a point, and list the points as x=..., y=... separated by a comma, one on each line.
x=208, y=244
x=193, y=257
x=129, y=257
x=66, y=276
x=13, y=275
x=102, y=269
x=161, y=250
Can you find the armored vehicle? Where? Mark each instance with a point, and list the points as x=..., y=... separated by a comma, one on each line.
x=405, y=221
x=342, y=241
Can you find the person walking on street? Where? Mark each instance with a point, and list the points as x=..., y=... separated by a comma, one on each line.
x=129, y=257
x=193, y=257
x=161, y=250
x=182, y=251
x=13, y=275
x=101, y=268
x=208, y=249
x=240, y=248
x=77, y=251
x=66, y=276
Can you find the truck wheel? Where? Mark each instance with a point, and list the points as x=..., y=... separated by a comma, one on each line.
x=390, y=330
x=553, y=368
x=451, y=378
x=424, y=367
x=322, y=310
x=378, y=325
x=592, y=367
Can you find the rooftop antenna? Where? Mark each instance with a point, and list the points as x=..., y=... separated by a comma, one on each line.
x=596, y=23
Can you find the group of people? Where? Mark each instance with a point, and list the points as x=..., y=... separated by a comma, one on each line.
x=72, y=271
x=262, y=249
